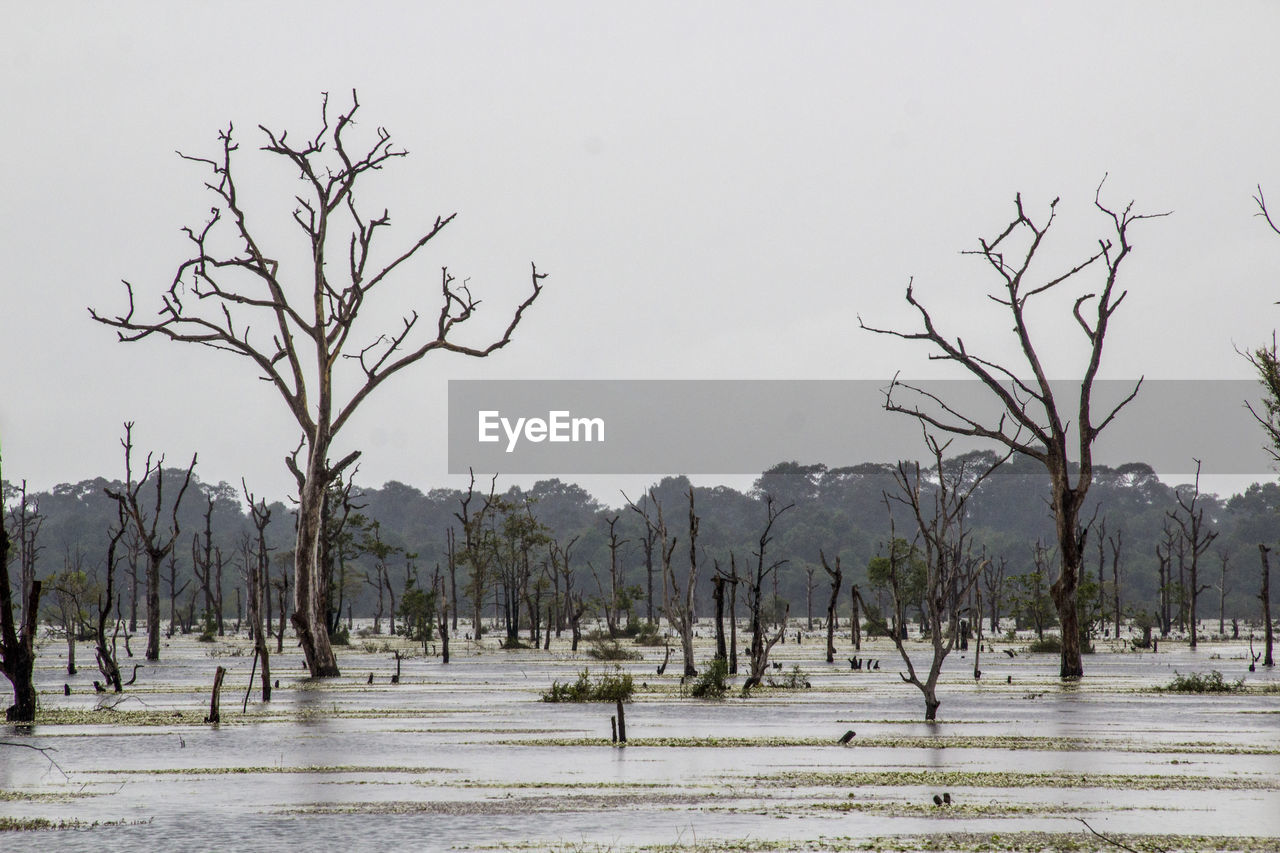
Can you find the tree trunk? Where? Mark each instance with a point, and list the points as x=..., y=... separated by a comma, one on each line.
x=214, y=715
x=308, y=593
x=1267, y=660
x=1066, y=505
x=17, y=655
x=722, y=653
x=153, y=608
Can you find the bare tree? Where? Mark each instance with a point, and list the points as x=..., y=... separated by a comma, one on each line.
x=949, y=571
x=257, y=567
x=1033, y=422
x=106, y=654
x=993, y=579
x=1116, y=544
x=156, y=544
x=677, y=606
x=26, y=519
x=478, y=547
x=17, y=643
x=1190, y=520
x=761, y=642
x=1224, y=557
x=216, y=298
x=837, y=579
x=1265, y=596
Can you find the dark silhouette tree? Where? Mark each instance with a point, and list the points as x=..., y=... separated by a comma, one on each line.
x=1198, y=537
x=221, y=297
x=145, y=519
x=17, y=642
x=1033, y=421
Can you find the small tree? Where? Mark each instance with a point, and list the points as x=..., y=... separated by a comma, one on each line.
x=761, y=642
x=1190, y=520
x=678, y=606
x=836, y=576
x=156, y=543
x=950, y=572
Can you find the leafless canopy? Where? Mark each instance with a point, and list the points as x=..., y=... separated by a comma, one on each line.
x=1032, y=423
x=206, y=300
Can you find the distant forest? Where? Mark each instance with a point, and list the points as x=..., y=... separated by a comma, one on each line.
x=397, y=533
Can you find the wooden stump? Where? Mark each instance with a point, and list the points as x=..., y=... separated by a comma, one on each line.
x=218, y=675
x=622, y=724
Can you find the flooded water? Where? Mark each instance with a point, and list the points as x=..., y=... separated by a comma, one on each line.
x=465, y=755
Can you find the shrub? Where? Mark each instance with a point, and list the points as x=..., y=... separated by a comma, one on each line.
x=796, y=679
x=611, y=687
x=610, y=650
x=647, y=635
x=1047, y=645
x=874, y=623
x=340, y=637
x=712, y=683
x=1199, y=683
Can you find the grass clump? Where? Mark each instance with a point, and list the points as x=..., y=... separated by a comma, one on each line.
x=712, y=684
x=616, y=686
x=1196, y=682
x=611, y=650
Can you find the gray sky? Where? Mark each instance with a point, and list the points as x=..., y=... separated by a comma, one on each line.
x=717, y=190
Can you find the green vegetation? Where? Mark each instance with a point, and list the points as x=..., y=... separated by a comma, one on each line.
x=611, y=687
x=712, y=684
x=1197, y=682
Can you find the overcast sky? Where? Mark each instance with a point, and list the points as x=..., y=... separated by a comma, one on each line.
x=716, y=190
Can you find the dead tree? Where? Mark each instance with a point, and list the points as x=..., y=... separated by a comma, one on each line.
x=105, y=653
x=1116, y=544
x=1265, y=596
x=257, y=566
x=677, y=607
x=616, y=583
x=146, y=524
x=761, y=643
x=1164, y=559
x=858, y=607
x=949, y=574
x=478, y=547
x=175, y=622
x=1224, y=557
x=17, y=643
x=718, y=581
x=26, y=520
x=837, y=580
x=133, y=552
x=1198, y=538
x=217, y=297
x=202, y=559
x=733, y=579
x=993, y=579
x=1033, y=422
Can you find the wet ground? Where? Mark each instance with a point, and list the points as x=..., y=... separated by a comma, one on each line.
x=466, y=756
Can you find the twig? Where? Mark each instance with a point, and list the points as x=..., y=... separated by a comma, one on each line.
x=1112, y=840
x=43, y=750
